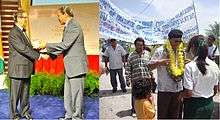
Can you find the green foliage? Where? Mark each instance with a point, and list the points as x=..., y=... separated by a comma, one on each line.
x=214, y=30
x=131, y=49
x=7, y=81
x=1, y=65
x=91, y=84
x=45, y=84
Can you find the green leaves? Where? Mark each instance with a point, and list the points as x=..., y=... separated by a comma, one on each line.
x=91, y=85
x=47, y=84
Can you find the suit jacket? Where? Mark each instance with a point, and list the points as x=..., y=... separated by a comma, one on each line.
x=72, y=46
x=21, y=54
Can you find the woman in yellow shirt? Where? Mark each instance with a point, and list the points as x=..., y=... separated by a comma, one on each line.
x=144, y=105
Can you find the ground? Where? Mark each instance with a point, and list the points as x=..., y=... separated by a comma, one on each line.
x=118, y=105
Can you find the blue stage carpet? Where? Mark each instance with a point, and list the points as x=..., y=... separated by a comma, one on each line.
x=49, y=107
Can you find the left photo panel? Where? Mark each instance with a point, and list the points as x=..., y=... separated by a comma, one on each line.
x=49, y=59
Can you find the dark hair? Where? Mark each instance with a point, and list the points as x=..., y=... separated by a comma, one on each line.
x=189, y=46
x=18, y=14
x=66, y=9
x=175, y=33
x=139, y=40
x=201, y=48
x=212, y=37
x=112, y=40
x=147, y=48
x=142, y=40
x=141, y=88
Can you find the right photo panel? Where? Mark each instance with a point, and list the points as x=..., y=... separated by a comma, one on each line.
x=159, y=59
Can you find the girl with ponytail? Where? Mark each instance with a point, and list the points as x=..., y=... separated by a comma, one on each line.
x=200, y=83
x=201, y=52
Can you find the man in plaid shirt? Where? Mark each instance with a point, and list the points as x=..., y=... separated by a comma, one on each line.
x=136, y=68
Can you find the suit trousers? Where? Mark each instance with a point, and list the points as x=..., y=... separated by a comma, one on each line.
x=19, y=91
x=73, y=97
x=113, y=73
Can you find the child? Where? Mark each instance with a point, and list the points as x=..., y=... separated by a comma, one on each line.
x=144, y=105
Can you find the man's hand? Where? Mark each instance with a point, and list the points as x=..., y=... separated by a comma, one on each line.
x=180, y=97
x=44, y=51
x=36, y=44
x=107, y=70
x=43, y=56
x=128, y=83
x=216, y=89
x=164, y=62
x=39, y=44
x=124, y=65
x=42, y=44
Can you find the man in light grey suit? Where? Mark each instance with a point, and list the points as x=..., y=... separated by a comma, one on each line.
x=20, y=67
x=75, y=62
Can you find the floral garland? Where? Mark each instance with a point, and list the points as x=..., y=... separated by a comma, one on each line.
x=175, y=71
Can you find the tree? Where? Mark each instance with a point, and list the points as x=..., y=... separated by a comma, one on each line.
x=214, y=30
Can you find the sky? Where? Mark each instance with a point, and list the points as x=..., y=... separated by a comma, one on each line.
x=207, y=11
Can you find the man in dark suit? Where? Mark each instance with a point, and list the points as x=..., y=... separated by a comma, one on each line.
x=75, y=62
x=20, y=67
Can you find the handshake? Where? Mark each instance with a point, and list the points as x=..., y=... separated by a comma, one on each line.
x=41, y=47
x=39, y=44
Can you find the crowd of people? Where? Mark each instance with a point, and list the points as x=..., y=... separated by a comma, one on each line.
x=187, y=77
